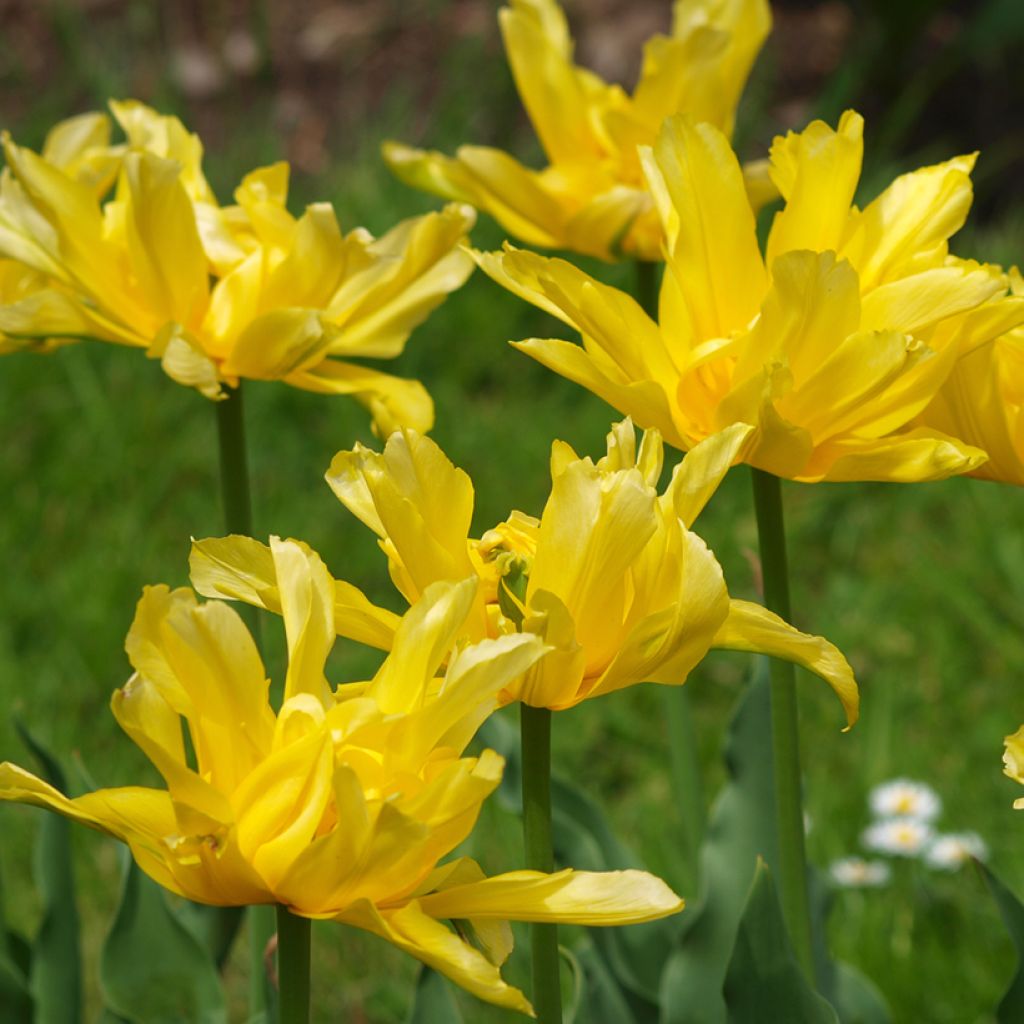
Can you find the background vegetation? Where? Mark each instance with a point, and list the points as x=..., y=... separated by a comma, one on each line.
x=106, y=468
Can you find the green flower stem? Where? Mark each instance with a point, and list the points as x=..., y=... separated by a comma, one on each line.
x=771, y=533
x=293, y=934
x=535, y=734
x=234, y=480
x=684, y=762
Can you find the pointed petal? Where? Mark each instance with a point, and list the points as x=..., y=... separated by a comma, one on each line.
x=595, y=899
x=438, y=947
x=715, y=258
x=307, y=605
x=697, y=477
x=242, y=569
x=393, y=402
x=750, y=627
x=817, y=171
x=916, y=455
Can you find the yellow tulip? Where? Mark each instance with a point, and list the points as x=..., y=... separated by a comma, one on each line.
x=610, y=576
x=340, y=805
x=591, y=198
x=829, y=347
x=216, y=293
x=982, y=402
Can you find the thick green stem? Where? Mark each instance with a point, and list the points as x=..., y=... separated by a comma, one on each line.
x=293, y=934
x=771, y=533
x=535, y=732
x=234, y=483
x=684, y=763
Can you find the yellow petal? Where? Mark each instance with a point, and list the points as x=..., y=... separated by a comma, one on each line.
x=816, y=171
x=1013, y=756
x=680, y=604
x=423, y=640
x=750, y=627
x=692, y=172
x=915, y=455
x=697, y=477
x=540, y=55
x=440, y=948
x=163, y=240
x=412, y=269
x=280, y=804
x=912, y=218
x=307, y=605
x=206, y=666
x=417, y=501
x=393, y=402
x=280, y=344
x=242, y=569
x=595, y=899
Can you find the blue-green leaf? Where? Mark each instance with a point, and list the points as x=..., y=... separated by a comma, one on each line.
x=174, y=979
x=764, y=982
x=1011, y=1006
x=741, y=829
x=56, y=971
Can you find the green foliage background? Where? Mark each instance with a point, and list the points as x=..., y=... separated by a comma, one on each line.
x=107, y=469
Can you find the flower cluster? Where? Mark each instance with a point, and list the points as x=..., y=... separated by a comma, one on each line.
x=905, y=812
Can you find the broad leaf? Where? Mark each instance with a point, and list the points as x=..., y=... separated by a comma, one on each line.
x=764, y=982
x=1011, y=1006
x=56, y=971
x=741, y=830
x=174, y=979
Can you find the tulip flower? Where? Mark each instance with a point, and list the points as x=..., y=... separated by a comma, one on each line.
x=591, y=198
x=216, y=293
x=342, y=804
x=830, y=346
x=610, y=576
x=982, y=402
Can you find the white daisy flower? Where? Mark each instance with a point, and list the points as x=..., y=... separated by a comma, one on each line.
x=905, y=798
x=898, y=837
x=949, y=852
x=858, y=873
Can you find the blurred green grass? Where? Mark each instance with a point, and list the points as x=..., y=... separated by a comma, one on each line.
x=108, y=468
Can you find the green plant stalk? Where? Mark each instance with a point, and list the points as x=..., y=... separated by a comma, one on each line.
x=293, y=949
x=535, y=736
x=234, y=480
x=771, y=535
x=684, y=759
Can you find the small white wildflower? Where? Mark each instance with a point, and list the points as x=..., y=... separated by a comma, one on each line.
x=858, y=873
x=949, y=852
x=905, y=798
x=898, y=837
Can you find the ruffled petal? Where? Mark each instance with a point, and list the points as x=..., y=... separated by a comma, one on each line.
x=750, y=627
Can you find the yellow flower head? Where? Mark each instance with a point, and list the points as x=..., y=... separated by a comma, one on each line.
x=340, y=805
x=830, y=346
x=217, y=293
x=982, y=402
x=592, y=198
x=610, y=576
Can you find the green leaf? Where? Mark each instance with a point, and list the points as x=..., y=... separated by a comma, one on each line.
x=741, y=830
x=433, y=1001
x=15, y=964
x=1011, y=1007
x=153, y=970
x=764, y=981
x=603, y=1000
x=55, y=977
